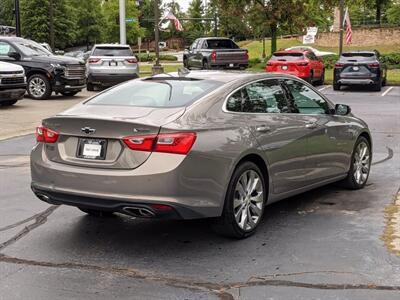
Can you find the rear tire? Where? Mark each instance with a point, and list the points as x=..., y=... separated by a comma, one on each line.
x=8, y=103
x=377, y=87
x=206, y=65
x=321, y=81
x=360, y=165
x=96, y=213
x=336, y=86
x=243, y=199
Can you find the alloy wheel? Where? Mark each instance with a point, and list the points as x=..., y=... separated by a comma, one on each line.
x=248, y=200
x=361, y=163
x=37, y=87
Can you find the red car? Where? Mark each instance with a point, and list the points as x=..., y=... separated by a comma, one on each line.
x=303, y=64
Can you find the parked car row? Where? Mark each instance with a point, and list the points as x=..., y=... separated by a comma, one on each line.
x=46, y=73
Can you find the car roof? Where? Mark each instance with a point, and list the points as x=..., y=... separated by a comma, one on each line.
x=359, y=51
x=291, y=51
x=111, y=45
x=221, y=76
x=12, y=38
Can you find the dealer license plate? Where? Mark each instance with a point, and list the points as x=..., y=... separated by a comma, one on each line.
x=92, y=148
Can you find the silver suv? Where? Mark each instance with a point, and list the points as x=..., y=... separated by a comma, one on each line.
x=12, y=83
x=110, y=64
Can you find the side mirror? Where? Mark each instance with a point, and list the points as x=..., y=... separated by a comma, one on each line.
x=342, y=109
x=14, y=55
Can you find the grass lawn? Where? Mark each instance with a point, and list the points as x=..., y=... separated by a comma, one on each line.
x=393, y=75
x=255, y=47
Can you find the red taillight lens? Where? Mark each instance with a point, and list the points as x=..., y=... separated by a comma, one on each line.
x=246, y=55
x=93, y=60
x=45, y=135
x=374, y=65
x=131, y=60
x=269, y=64
x=302, y=64
x=339, y=66
x=140, y=143
x=214, y=56
x=177, y=143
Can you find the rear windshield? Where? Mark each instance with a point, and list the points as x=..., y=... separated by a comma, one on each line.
x=359, y=56
x=221, y=44
x=155, y=93
x=287, y=56
x=112, y=51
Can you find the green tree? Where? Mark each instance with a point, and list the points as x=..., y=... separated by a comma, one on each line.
x=35, y=22
x=90, y=21
x=6, y=12
x=194, y=28
x=111, y=14
x=393, y=13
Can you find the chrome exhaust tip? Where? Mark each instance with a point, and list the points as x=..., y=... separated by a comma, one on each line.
x=43, y=197
x=140, y=212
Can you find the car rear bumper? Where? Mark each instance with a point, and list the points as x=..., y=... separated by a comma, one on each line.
x=110, y=79
x=229, y=65
x=166, y=179
x=357, y=81
x=12, y=94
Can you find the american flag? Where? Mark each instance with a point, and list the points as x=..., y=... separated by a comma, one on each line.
x=349, y=32
x=177, y=23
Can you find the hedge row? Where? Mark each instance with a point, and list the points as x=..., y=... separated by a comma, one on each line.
x=151, y=57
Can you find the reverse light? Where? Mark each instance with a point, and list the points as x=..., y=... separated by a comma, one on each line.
x=214, y=56
x=177, y=143
x=93, y=60
x=46, y=135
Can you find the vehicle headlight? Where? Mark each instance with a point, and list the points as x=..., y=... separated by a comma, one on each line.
x=58, y=67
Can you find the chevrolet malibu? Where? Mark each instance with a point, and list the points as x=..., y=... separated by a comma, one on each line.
x=202, y=144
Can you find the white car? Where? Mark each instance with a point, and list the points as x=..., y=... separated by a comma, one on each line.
x=308, y=48
x=12, y=83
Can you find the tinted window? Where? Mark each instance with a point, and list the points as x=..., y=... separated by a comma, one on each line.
x=305, y=100
x=112, y=51
x=155, y=93
x=365, y=56
x=220, y=44
x=260, y=97
x=287, y=56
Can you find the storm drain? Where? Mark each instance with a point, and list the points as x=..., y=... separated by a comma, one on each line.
x=391, y=236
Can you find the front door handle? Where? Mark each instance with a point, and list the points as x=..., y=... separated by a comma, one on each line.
x=311, y=125
x=263, y=128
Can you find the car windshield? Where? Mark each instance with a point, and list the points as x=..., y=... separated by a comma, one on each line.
x=31, y=48
x=287, y=56
x=155, y=93
x=221, y=44
x=112, y=51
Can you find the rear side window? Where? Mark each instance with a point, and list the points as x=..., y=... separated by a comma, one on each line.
x=259, y=97
x=220, y=44
x=112, y=51
x=287, y=56
x=305, y=100
x=152, y=93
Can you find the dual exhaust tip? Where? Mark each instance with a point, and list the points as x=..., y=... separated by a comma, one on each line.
x=140, y=212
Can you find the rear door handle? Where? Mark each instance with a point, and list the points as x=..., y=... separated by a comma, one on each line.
x=263, y=128
x=311, y=125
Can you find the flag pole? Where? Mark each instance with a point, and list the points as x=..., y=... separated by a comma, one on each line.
x=341, y=8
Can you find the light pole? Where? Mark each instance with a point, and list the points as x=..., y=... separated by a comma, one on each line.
x=122, y=22
x=341, y=8
x=157, y=68
x=17, y=18
x=51, y=17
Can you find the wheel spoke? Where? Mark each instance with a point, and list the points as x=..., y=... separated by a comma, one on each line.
x=255, y=209
x=257, y=198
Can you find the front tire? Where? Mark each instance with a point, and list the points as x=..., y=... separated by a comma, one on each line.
x=39, y=87
x=90, y=87
x=244, y=202
x=360, y=165
x=336, y=86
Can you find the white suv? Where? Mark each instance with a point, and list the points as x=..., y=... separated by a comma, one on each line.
x=12, y=83
x=110, y=64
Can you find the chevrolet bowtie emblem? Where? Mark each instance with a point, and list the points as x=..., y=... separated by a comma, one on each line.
x=88, y=130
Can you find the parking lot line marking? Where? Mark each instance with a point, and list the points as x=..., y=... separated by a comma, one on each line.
x=325, y=87
x=387, y=91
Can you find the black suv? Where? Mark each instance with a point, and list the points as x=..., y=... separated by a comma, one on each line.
x=45, y=72
x=360, y=68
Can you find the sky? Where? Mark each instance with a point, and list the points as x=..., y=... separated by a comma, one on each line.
x=184, y=4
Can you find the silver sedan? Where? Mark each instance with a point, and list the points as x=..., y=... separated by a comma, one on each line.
x=218, y=145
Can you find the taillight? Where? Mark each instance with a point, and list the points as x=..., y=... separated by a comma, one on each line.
x=131, y=60
x=177, y=143
x=214, y=56
x=374, y=65
x=269, y=64
x=302, y=64
x=246, y=55
x=339, y=66
x=46, y=135
x=93, y=60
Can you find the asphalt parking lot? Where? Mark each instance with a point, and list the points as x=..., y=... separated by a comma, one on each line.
x=329, y=243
